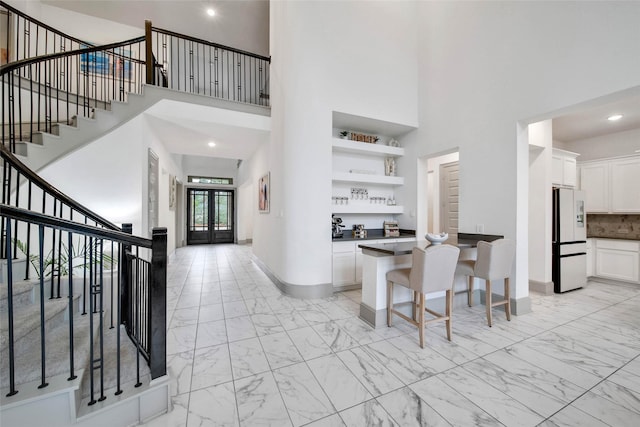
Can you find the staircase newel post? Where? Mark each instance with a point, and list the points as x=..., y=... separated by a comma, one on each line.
x=158, y=304
x=148, y=52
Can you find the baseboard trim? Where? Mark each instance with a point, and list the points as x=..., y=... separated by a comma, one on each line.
x=544, y=288
x=321, y=290
x=347, y=287
x=245, y=242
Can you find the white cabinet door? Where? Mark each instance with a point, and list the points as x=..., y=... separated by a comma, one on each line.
x=625, y=191
x=569, y=172
x=557, y=173
x=359, y=266
x=617, y=264
x=590, y=257
x=344, y=271
x=594, y=180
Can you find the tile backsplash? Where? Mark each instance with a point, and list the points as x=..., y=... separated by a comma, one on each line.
x=613, y=226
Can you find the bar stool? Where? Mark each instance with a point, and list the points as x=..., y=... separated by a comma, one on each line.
x=493, y=263
x=432, y=270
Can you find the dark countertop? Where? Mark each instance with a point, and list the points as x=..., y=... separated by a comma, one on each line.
x=464, y=240
x=374, y=234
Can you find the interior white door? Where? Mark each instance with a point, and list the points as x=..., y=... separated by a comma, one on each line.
x=449, y=190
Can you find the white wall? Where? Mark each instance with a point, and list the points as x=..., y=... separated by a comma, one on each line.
x=485, y=66
x=540, y=206
x=114, y=168
x=612, y=145
x=84, y=27
x=353, y=57
x=252, y=224
x=209, y=167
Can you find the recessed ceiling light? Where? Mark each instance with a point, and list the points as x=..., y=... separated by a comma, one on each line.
x=212, y=144
x=614, y=117
x=211, y=12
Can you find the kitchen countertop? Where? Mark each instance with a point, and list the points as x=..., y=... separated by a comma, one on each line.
x=374, y=234
x=464, y=240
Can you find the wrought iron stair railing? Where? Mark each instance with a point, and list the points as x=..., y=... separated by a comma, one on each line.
x=114, y=274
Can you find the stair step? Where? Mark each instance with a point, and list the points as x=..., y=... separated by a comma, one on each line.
x=23, y=294
x=28, y=360
x=26, y=323
x=127, y=363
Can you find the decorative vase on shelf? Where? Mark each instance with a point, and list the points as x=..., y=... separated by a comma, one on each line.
x=390, y=166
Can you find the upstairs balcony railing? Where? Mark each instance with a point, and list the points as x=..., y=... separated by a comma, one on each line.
x=49, y=77
x=206, y=68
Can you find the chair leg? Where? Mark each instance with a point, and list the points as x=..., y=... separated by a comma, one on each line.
x=470, y=292
x=421, y=320
x=507, y=296
x=449, y=303
x=389, y=302
x=413, y=306
x=487, y=301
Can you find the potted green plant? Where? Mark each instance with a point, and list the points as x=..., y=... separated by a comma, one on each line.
x=344, y=134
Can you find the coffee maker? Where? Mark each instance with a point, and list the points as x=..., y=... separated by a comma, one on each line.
x=336, y=227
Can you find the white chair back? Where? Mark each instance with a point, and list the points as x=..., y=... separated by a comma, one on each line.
x=433, y=268
x=495, y=259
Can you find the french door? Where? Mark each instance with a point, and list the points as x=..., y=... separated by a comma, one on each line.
x=210, y=216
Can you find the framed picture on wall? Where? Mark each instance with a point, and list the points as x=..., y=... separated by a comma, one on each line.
x=172, y=192
x=264, y=194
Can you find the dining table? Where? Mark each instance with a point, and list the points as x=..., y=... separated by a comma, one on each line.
x=380, y=258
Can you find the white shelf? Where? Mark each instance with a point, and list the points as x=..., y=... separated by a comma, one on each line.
x=367, y=209
x=348, y=146
x=367, y=179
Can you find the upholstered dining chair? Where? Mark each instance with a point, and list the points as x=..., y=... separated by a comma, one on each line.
x=432, y=270
x=494, y=261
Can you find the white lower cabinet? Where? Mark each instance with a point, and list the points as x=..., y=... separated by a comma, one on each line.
x=343, y=269
x=347, y=260
x=590, y=257
x=618, y=260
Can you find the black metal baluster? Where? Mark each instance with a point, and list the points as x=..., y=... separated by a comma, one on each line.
x=72, y=375
x=92, y=400
x=53, y=254
x=43, y=384
x=60, y=256
x=12, y=372
x=28, y=242
x=137, y=317
x=111, y=302
x=100, y=291
x=84, y=274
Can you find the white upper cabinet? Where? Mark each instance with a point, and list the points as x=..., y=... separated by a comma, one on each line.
x=594, y=180
x=625, y=185
x=611, y=186
x=563, y=168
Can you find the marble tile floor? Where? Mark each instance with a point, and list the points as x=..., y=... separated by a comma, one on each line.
x=242, y=354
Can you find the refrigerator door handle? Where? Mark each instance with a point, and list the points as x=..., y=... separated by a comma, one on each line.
x=575, y=254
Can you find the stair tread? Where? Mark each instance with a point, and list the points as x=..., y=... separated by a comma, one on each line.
x=27, y=319
x=28, y=361
x=22, y=294
x=19, y=288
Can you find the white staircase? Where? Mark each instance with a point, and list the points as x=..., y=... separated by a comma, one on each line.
x=65, y=401
x=64, y=139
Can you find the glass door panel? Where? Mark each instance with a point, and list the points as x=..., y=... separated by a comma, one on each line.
x=210, y=216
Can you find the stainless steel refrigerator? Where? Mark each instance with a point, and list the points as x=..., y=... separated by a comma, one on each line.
x=569, y=265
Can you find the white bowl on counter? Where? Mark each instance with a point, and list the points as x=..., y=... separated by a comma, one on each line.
x=436, y=239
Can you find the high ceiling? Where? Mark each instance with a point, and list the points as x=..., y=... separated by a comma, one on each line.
x=243, y=24
x=592, y=121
